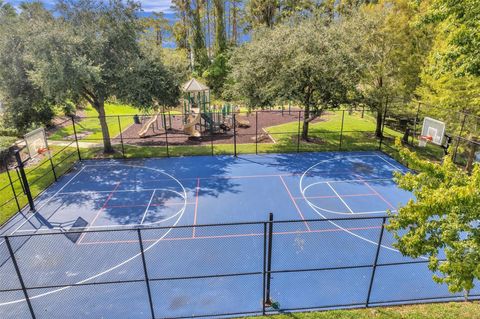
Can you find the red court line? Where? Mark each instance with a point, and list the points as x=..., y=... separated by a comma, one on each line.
x=152, y=205
x=381, y=197
x=196, y=207
x=100, y=210
x=297, y=232
x=294, y=202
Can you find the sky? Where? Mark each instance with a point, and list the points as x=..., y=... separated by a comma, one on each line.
x=148, y=6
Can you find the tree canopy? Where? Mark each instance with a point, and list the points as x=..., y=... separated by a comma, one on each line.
x=442, y=221
x=91, y=52
x=312, y=63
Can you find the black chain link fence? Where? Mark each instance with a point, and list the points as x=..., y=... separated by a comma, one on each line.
x=210, y=270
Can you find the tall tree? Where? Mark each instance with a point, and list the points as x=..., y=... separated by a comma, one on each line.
x=452, y=92
x=158, y=24
x=261, y=13
x=312, y=63
x=25, y=104
x=394, y=50
x=199, y=50
x=220, y=37
x=442, y=223
x=463, y=38
x=180, y=27
x=91, y=52
x=235, y=13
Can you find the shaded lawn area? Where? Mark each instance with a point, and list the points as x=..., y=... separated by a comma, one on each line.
x=90, y=126
x=454, y=310
x=358, y=133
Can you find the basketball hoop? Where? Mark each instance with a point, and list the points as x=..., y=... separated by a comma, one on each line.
x=424, y=139
x=42, y=150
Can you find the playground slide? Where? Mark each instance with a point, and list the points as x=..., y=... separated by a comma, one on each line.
x=189, y=128
x=147, y=125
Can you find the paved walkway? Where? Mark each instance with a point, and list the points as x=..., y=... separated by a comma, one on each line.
x=80, y=144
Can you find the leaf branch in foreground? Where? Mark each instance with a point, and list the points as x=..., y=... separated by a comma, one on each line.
x=443, y=222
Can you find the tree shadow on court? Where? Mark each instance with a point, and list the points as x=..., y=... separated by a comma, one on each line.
x=116, y=187
x=334, y=166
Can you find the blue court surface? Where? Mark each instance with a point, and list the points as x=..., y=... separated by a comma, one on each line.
x=316, y=261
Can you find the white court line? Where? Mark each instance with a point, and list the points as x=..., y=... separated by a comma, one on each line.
x=122, y=191
x=94, y=227
x=333, y=189
x=48, y=201
x=341, y=213
x=148, y=206
x=122, y=263
x=396, y=168
x=315, y=209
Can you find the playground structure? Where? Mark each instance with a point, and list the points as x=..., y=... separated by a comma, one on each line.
x=199, y=115
x=153, y=123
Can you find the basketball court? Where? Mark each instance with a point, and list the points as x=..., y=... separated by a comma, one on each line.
x=195, y=229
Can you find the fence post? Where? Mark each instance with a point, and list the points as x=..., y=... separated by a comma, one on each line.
x=341, y=129
x=380, y=143
x=11, y=184
x=256, y=132
x=211, y=144
x=268, y=300
x=298, y=131
x=76, y=138
x=52, y=166
x=121, y=135
x=374, y=266
x=147, y=280
x=415, y=123
x=264, y=276
x=24, y=180
x=385, y=115
x=459, y=138
x=166, y=142
x=234, y=135
x=19, y=275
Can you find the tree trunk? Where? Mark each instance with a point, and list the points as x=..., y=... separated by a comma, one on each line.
x=472, y=148
x=107, y=144
x=306, y=122
x=378, y=129
x=234, y=23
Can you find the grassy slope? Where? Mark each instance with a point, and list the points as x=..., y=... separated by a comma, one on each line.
x=40, y=176
x=460, y=310
x=92, y=124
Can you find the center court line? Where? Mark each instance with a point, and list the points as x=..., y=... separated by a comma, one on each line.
x=296, y=232
x=196, y=207
x=294, y=202
x=339, y=197
x=148, y=207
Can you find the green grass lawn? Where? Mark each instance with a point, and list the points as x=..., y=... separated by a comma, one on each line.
x=91, y=124
x=39, y=176
x=454, y=310
x=121, y=117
